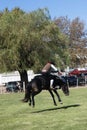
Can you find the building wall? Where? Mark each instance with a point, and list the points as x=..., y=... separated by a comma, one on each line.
x=14, y=76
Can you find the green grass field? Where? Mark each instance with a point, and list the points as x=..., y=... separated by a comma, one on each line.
x=71, y=115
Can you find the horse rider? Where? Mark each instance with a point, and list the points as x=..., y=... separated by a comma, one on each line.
x=50, y=69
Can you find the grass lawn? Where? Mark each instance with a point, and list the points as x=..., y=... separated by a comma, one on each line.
x=71, y=115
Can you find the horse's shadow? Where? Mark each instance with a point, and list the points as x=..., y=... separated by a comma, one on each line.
x=53, y=109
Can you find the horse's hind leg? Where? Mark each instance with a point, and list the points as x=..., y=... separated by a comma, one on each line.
x=53, y=97
x=33, y=101
x=30, y=101
x=59, y=99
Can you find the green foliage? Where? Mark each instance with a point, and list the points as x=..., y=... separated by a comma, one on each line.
x=77, y=37
x=71, y=115
x=29, y=40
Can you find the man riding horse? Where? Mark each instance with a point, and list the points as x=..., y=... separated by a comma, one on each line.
x=49, y=70
x=42, y=82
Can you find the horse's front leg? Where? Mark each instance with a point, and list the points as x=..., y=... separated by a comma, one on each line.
x=59, y=99
x=52, y=97
x=30, y=101
x=33, y=101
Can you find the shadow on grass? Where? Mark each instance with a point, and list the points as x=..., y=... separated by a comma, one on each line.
x=53, y=109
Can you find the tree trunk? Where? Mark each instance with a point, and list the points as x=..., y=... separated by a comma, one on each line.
x=24, y=77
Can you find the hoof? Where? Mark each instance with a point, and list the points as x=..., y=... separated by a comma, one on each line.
x=29, y=104
x=61, y=102
x=55, y=104
x=24, y=100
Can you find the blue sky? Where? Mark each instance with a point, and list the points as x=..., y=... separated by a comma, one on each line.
x=57, y=8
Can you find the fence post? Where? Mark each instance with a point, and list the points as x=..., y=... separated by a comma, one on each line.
x=77, y=81
x=1, y=90
x=85, y=79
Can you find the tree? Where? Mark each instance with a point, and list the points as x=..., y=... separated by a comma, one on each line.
x=63, y=24
x=75, y=31
x=9, y=41
x=29, y=40
x=77, y=42
x=21, y=44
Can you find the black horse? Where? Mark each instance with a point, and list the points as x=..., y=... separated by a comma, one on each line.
x=41, y=82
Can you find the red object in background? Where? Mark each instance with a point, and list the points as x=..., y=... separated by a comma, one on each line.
x=83, y=71
x=74, y=72
x=77, y=72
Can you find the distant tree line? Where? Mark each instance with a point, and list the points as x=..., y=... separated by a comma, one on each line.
x=77, y=36
x=30, y=40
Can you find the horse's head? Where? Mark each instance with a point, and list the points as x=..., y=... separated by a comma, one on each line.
x=65, y=89
x=62, y=83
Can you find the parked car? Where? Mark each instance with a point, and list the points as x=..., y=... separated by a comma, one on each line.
x=12, y=87
x=72, y=80
x=81, y=79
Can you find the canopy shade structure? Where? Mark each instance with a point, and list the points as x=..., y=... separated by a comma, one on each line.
x=77, y=72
